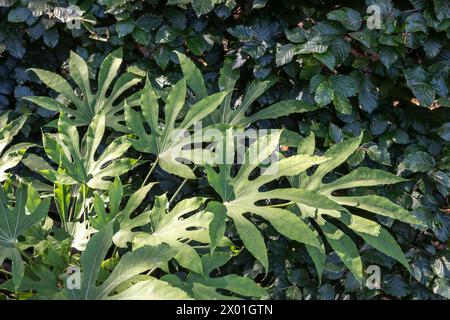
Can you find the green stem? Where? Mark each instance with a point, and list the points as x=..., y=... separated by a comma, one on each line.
x=177, y=191
x=151, y=271
x=150, y=172
x=84, y=206
x=180, y=188
x=114, y=252
x=70, y=211
x=5, y=272
x=74, y=204
x=24, y=255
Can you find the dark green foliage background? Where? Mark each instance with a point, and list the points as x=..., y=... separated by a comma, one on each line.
x=401, y=102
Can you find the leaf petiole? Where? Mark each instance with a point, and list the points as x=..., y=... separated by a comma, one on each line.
x=152, y=168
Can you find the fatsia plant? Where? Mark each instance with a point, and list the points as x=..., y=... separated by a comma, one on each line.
x=115, y=196
x=178, y=228
x=11, y=156
x=78, y=162
x=238, y=116
x=49, y=260
x=369, y=230
x=167, y=141
x=242, y=194
x=206, y=287
x=131, y=264
x=28, y=210
x=106, y=100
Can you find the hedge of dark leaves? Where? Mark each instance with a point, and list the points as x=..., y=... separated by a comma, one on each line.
x=390, y=83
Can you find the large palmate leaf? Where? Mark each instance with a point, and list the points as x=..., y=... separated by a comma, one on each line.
x=205, y=287
x=176, y=228
x=226, y=114
x=370, y=231
x=130, y=265
x=168, y=141
x=80, y=163
x=14, y=221
x=240, y=194
x=115, y=195
x=10, y=157
x=49, y=262
x=106, y=100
